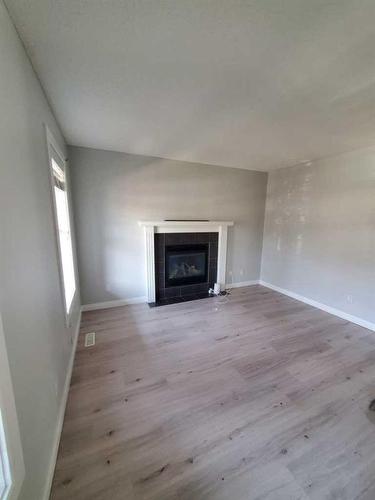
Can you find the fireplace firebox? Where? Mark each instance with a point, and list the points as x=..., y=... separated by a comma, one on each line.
x=186, y=264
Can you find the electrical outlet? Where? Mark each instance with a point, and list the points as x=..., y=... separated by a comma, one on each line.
x=349, y=298
x=241, y=272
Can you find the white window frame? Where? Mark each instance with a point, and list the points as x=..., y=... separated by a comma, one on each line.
x=11, y=456
x=53, y=147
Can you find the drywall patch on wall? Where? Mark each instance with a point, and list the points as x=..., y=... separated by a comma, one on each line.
x=319, y=236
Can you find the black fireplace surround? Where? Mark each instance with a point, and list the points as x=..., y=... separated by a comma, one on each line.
x=185, y=266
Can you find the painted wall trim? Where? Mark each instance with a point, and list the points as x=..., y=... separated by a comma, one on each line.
x=60, y=419
x=143, y=299
x=53, y=146
x=242, y=283
x=113, y=303
x=331, y=310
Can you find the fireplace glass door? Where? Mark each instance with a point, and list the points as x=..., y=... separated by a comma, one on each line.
x=186, y=264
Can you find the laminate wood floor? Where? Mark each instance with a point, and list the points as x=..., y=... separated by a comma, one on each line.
x=251, y=396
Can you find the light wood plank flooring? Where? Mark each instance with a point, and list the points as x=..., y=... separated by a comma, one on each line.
x=251, y=396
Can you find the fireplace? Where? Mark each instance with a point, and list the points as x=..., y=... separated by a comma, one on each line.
x=186, y=264
x=160, y=233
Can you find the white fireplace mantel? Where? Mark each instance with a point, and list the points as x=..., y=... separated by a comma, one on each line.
x=184, y=226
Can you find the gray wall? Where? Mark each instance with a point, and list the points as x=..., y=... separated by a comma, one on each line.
x=319, y=237
x=38, y=343
x=112, y=191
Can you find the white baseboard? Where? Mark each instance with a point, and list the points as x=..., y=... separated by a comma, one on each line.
x=140, y=300
x=60, y=418
x=242, y=283
x=114, y=303
x=323, y=307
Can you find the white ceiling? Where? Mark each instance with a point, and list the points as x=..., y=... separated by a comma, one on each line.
x=254, y=84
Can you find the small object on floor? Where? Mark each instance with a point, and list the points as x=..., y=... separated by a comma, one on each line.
x=216, y=291
x=372, y=405
x=212, y=293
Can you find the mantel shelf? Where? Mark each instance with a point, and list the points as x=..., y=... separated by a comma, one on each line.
x=210, y=223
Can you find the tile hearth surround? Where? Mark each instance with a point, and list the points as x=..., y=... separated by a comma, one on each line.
x=168, y=295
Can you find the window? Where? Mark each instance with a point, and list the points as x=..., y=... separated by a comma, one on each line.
x=62, y=220
x=5, y=477
x=12, y=469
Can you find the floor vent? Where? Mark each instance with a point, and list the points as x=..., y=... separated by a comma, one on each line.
x=90, y=339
